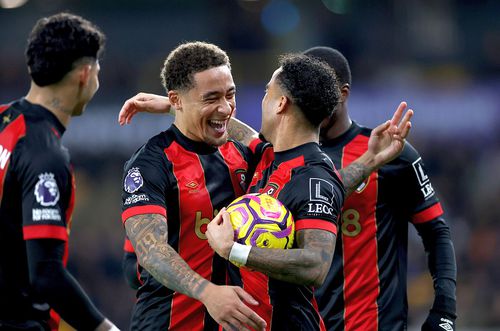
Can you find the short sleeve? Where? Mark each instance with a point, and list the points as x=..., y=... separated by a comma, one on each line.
x=47, y=183
x=144, y=183
x=315, y=197
x=415, y=185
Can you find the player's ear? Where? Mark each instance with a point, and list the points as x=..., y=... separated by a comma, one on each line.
x=345, y=91
x=84, y=72
x=283, y=104
x=175, y=100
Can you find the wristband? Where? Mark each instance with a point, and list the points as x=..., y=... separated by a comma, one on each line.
x=239, y=254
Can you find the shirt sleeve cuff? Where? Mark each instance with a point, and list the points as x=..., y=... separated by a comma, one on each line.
x=140, y=210
x=304, y=224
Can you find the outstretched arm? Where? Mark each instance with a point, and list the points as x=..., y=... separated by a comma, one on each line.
x=143, y=102
x=157, y=104
x=149, y=236
x=386, y=143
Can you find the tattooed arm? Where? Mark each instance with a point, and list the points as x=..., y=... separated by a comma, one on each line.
x=149, y=236
x=241, y=132
x=306, y=265
x=385, y=144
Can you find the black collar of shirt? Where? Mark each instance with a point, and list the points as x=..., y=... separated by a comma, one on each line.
x=345, y=137
x=301, y=150
x=42, y=112
x=197, y=147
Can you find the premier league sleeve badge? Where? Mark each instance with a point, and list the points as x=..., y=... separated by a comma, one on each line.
x=133, y=181
x=46, y=190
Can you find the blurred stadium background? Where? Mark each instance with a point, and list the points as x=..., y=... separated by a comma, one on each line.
x=443, y=57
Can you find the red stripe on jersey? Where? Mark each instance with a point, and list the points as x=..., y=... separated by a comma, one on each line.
x=264, y=163
x=9, y=137
x=69, y=213
x=257, y=285
x=237, y=167
x=45, y=232
x=304, y=224
x=322, y=326
x=282, y=175
x=428, y=214
x=253, y=144
x=127, y=246
x=359, y=239
x=140, y=210
x=195, y=211
x=54, y=320
x=3, y=108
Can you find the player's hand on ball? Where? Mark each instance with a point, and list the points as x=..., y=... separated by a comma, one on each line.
x=220, y=234
x=226, y=304
x=438, y=321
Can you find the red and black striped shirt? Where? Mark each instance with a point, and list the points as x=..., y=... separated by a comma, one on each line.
x=188, y=182
x=37, y=198
x=366, y=286
x=306, y=182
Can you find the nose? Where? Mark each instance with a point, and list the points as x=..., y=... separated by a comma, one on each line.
x=226, y=107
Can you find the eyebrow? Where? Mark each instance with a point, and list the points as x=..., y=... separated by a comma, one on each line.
x=210, y=94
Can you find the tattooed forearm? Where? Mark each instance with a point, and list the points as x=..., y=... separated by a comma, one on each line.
x=306, y=265
x=149, y=236
x=353, y=175
x=241, y=132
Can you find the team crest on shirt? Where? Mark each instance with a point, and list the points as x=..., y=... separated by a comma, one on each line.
x=46, y=190
x=363, y=185
x=133, y=181
x=241, y=175
x=271, y=189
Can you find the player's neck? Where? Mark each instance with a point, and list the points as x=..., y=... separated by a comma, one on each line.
x=292, y=136
x=340, y=125
x=54, y=99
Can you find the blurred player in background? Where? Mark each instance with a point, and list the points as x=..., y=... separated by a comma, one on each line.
x=366, y=286
x=173, y=186
x=37, y=184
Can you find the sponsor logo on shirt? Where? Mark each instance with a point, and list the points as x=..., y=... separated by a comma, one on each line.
x=134, y=198
x=133, y=181
x=46, y=214
x=423, y=179
x=46, y=190
x=4, y=156
x=316, y=185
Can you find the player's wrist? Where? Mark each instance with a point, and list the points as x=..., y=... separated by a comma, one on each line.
x=239, y=254
x=445, y=305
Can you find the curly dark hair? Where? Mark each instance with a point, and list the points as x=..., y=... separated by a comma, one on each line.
x=310, y=84
x=188, y=59
x=57, y=42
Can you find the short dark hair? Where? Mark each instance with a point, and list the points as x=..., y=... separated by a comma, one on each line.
x=57, y=42
x=334, y=59
x=311, y=85
x=188, y=59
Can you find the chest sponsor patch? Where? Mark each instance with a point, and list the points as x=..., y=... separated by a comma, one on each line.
x=133, y=181
x=46, y=190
